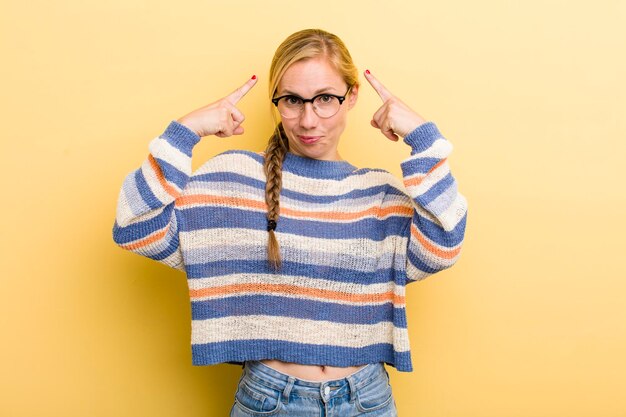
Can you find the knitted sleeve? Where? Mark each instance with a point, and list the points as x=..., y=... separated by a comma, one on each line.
x=437, y=227
x=146, y=221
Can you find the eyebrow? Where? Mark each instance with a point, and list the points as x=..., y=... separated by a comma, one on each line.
x=320, y=91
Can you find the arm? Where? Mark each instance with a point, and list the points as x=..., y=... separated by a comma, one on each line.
x=437, y=227
x=146, y=221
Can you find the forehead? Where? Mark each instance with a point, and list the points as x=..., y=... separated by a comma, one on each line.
x=311, y=76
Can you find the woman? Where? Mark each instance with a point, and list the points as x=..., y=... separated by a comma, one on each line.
x=296, y=260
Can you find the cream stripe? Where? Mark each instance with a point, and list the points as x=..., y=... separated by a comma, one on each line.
x=354, y=247
x=304, y=210
x=237, y=163
x=424, y=213
x=123, y=214
x=125, y=217
x=453, y=214
x=244, y=191
x=155, y=184
x=175, y=261
x=440, y=148
x=429, y=180
x=258, y=251
x=414, y=274
x=323, y=187
x=294, y=330
x=248, y=167
x=300, y=281
x=227, y=190
x=160, y=148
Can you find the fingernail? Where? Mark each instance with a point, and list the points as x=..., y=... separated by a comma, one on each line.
x=367, y=71
x=254, y=77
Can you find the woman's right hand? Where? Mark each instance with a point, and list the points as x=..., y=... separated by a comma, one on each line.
x=220, y=118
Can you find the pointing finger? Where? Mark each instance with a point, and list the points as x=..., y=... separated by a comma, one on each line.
x=238, y=94
x=377, y=85
x=237, y=116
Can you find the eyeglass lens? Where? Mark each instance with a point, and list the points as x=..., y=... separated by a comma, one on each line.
x=324, y=106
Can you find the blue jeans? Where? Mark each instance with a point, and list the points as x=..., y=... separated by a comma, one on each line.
x=264, y=391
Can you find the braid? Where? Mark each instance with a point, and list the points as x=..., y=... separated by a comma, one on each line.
x=274, y=154
x=305, y=44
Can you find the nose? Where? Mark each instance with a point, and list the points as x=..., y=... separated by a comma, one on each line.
x=308, y=117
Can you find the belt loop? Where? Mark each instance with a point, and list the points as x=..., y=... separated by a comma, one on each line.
x=287, y=389
x=352, y=385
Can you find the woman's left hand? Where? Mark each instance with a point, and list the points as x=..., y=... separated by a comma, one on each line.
x=394, y=118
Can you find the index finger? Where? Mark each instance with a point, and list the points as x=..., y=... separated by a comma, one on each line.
x=238, y=94
x=380, y=89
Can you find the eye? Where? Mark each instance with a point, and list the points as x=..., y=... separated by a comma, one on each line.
x=325, y=98
x=292, y=100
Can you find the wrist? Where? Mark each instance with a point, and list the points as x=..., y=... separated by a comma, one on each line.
x=189, y=125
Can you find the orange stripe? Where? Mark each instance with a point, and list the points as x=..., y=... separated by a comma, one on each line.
x=442, y=253
x=295, y=290
x=418, y=180
x=146, y=241
x=375, y=211
x=220, y=200
x=248, y=203
x=159, y=174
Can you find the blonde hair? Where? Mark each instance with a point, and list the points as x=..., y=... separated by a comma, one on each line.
x=302, y=45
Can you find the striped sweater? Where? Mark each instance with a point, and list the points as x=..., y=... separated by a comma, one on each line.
x=351, y=240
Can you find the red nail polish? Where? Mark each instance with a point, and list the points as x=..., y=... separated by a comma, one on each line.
x=367, y=71
x=254, y=77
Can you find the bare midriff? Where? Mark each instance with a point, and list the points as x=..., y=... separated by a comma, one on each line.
x=311, y=372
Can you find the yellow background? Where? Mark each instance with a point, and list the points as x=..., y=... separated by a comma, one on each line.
x=530, y=322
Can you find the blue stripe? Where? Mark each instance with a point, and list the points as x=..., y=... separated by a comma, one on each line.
x=228, y=177
x=420, y=264
x=207, y=217
x=418, y=166
x=394, y=191
x=435, y=232
x=260, y=159
x=170, y=249
x=139, y=230
x=232, y=178
x=239, y=351
x=261, y=266
x=246, y=305
x=133, y=196
x=422, y=137
x=252, y=251
x=144, y=190
x=180, y=137
x=443, y=201
x=173, y=174
x=435, y=190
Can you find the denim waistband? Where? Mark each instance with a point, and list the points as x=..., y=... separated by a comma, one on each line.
x=315, y=389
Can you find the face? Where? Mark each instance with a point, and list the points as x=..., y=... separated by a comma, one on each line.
x=310, y=135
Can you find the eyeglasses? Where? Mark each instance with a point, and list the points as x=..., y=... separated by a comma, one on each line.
x=324, y=105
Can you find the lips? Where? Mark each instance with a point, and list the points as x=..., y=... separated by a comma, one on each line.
x=309, y=139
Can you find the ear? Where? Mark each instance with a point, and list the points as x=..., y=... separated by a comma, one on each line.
x=353, y=96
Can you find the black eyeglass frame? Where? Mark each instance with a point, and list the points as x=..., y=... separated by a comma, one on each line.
x=311, y=100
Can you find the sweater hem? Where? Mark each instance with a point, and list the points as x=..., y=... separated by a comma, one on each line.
x=181, y=137
x=237, y=352
x=422, y=137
